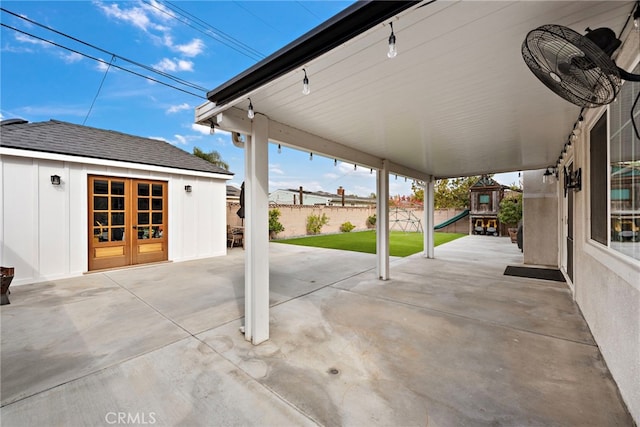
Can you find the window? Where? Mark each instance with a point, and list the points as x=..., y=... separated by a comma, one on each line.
x=615, y=175
x=624, y=171
x=598, y=180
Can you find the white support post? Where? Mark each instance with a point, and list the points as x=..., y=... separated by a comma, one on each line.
x=382, y=222
x=428, y=218
x=256, y=236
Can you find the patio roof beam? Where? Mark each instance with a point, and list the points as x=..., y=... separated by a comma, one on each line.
x=236, y=120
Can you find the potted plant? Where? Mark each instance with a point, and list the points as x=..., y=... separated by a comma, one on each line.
x=275, y=226
x=511, y=213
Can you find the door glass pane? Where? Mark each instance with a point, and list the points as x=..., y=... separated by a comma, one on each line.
x=143, y=204
x=156, y=218
x=156, y=204
x=156, y=190
x=117, y=218
x=100, y=187
x=143, y=218
x=100, y=219
x=117, y=203
x=117, y=234
x=117, y=187
x=101, y=234
x=100, y=203
x=143, y=232
x=156, y=232
x=143, y=189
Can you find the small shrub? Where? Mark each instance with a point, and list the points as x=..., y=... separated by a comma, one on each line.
x=275, y=226
x=316, y=222
x=371, y=221
x=347, y=227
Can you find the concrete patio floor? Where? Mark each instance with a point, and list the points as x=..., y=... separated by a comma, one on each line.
x=447, y=342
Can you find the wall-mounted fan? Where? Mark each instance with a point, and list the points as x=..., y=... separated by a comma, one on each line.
x=576, y=67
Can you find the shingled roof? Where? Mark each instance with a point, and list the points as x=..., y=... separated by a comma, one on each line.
x=75, y=140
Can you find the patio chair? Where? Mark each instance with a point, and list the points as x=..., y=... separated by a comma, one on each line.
x=235, y=236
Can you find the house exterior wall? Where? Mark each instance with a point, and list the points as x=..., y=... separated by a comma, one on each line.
x=540, y=220
x=606, y=283
x=44, y=228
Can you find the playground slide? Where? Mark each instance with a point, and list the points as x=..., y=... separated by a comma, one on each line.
x=451, y=220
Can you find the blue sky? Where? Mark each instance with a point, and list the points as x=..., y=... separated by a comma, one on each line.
x=215, y=41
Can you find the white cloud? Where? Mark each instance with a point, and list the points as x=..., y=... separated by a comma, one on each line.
x=177, y=108
x=205, y=130
x=71, y=57
x=136, y=16
x=158, y=138
x=102, y=66
x=275, y=168
x=181, y=139
x=184, y=65
x=191, y=49
x=331, y=175
x=23, y=38
x=167, y=64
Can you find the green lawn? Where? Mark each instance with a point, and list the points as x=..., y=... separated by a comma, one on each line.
x=400, y=243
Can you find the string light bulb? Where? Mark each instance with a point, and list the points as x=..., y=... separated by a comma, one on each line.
x=250, y=112
x=355, y=167
x=335, y=162
x=212, y=129
x=310, y=156
x=279, y=148
x=393, y=50
x=305, y=84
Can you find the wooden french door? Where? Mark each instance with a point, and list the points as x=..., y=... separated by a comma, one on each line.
x=127, y=222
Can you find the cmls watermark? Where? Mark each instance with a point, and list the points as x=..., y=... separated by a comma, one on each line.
x=127, y=418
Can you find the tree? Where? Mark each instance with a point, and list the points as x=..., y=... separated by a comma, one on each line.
x=448, y=193
x=211, y=157
x=511, y=209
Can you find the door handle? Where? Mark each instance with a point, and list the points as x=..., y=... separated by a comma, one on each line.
x=135, y=227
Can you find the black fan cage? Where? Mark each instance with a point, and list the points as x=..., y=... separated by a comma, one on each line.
x=571, y=65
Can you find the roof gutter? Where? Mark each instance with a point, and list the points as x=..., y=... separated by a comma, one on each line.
x=351, y=22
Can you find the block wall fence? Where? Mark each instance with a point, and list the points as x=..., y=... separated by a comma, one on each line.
x=294, y=218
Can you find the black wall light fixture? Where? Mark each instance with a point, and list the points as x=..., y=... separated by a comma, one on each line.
x=572, y=180
x=188, y=188
x=55, y=179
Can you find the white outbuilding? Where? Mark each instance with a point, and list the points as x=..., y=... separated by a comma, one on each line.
x=77, y=199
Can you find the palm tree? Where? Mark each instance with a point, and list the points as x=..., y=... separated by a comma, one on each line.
x=211, y=157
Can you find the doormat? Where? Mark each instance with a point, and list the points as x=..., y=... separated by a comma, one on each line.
x=535, y=273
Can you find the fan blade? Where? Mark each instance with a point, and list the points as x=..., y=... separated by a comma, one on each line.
x=571, y=65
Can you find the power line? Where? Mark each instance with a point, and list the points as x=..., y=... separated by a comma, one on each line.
x=146, y=67
x=99, y=89
x=210, y=32
x=216, y=30
x=102, y=61
x=308, y=10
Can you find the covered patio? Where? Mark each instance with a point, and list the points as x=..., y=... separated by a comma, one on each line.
x=446, y=341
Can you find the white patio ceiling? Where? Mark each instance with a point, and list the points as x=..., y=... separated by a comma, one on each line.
x=457, y=100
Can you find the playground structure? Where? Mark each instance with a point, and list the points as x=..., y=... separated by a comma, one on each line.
x=401, y=219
